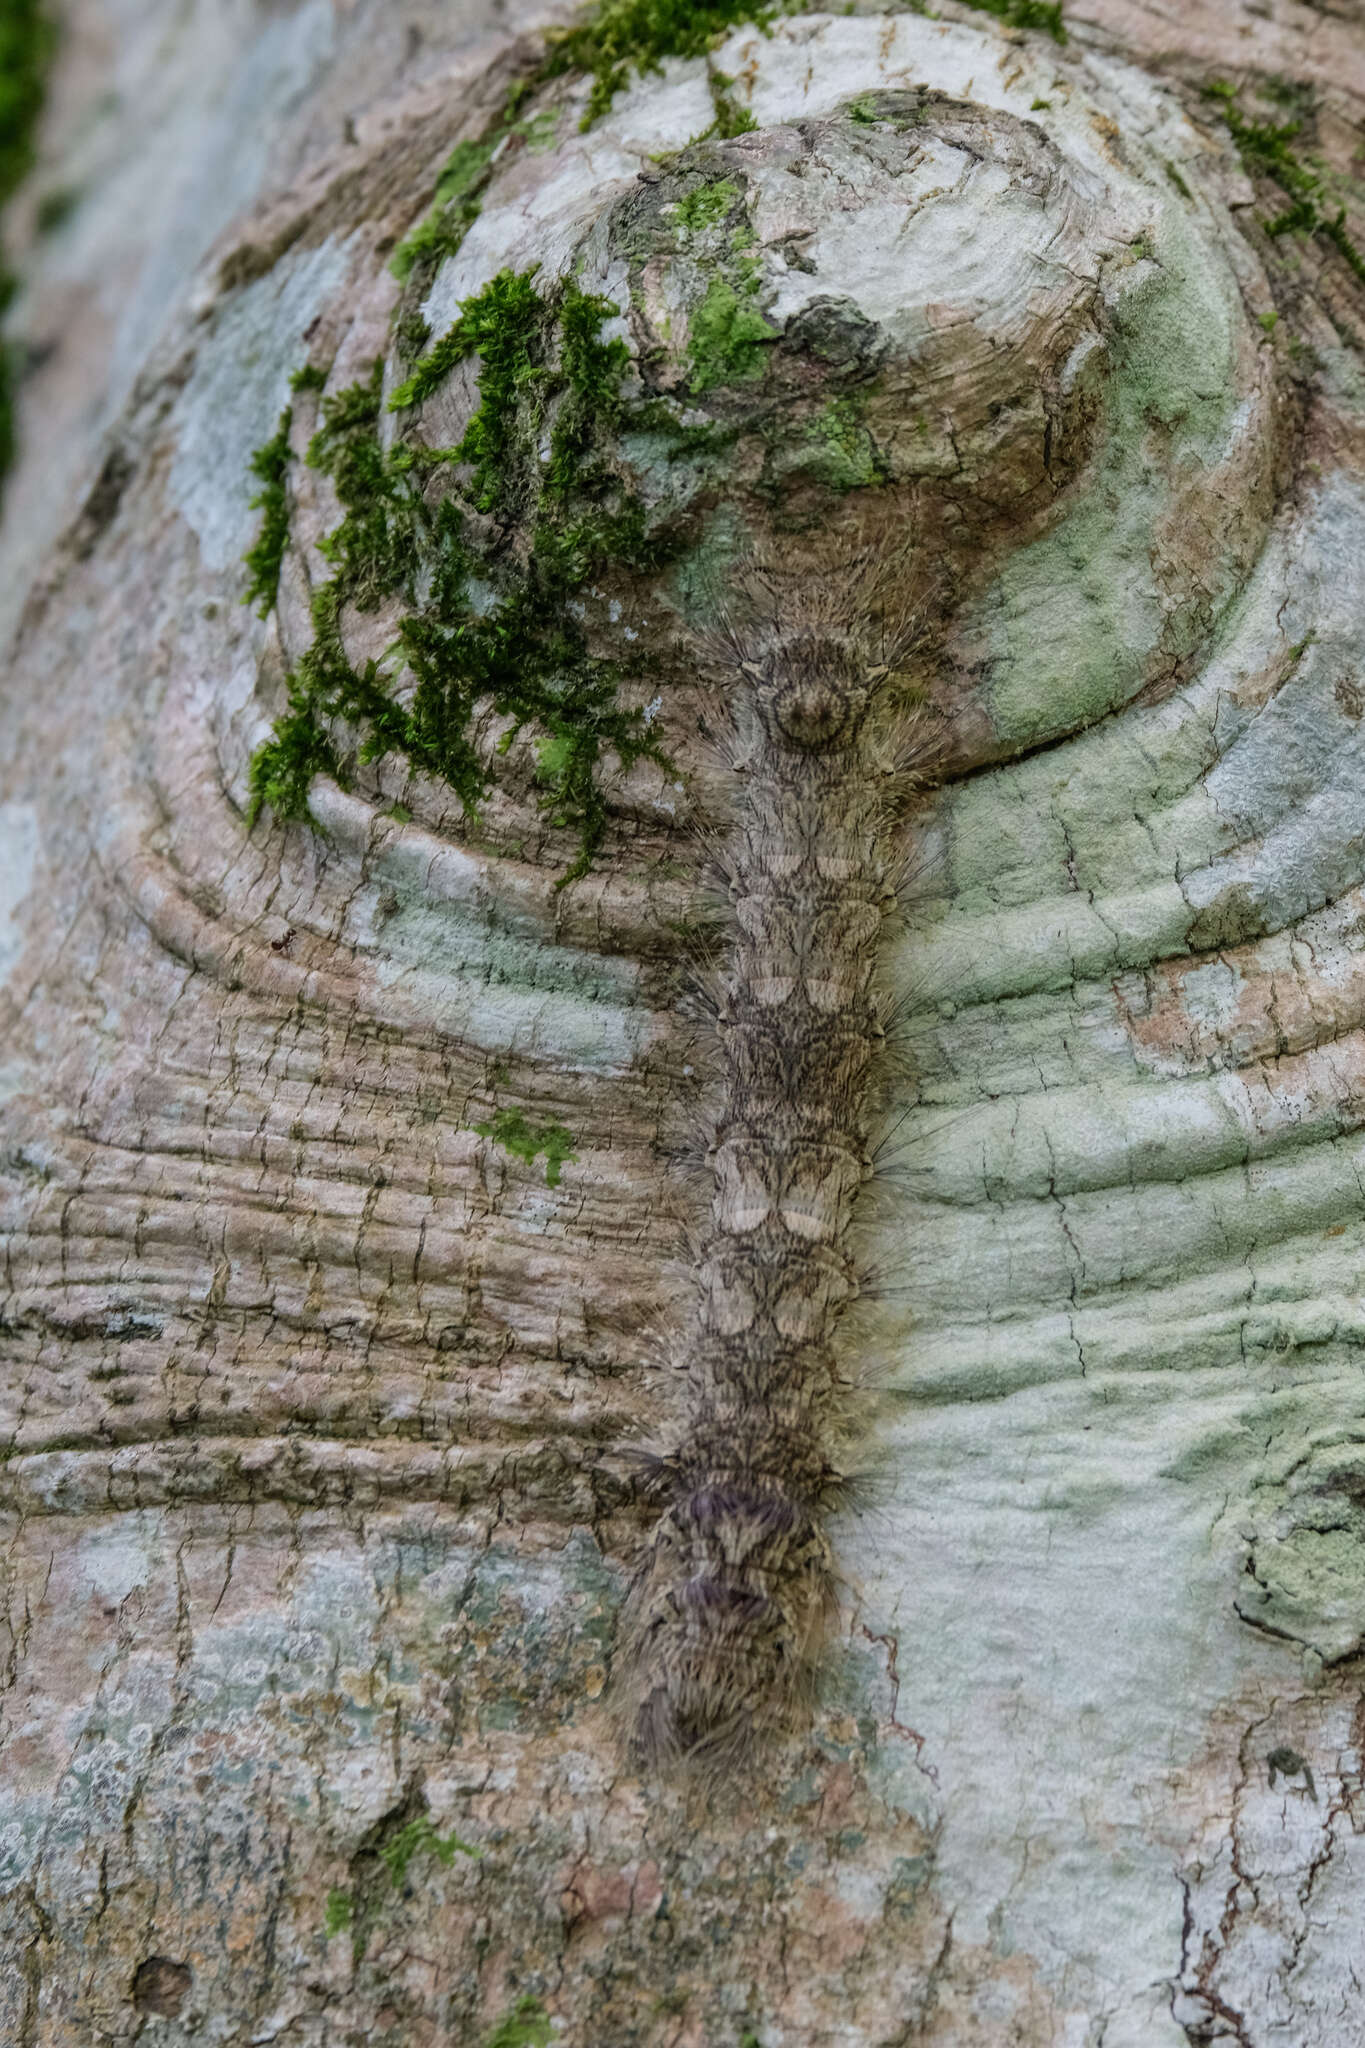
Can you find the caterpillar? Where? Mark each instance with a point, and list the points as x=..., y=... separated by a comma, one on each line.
x=737, y=1589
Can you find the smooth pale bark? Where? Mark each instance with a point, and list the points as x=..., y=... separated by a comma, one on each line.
x=319, y=1404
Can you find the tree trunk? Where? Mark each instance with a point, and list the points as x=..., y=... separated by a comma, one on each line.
x=362, y=1119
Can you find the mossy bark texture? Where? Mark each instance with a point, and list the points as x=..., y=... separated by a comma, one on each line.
x=427, y=973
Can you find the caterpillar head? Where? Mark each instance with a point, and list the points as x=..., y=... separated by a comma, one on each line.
x=811, y=687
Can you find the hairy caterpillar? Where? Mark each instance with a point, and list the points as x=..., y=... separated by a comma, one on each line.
x=738, y=1586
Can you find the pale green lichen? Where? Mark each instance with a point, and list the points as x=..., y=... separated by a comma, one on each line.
x=1168, y=384
x=837, y=449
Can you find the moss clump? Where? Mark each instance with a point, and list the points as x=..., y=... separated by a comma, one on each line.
x=618, y=36
x=1267, y=147
x=454, y=206
x=339, y=1912
x=706, y=206
x=459, y=189
x=1043, y=14
x=346, y=1909
x=510, y=1129
x=264, y=556
x=526, y=2025
x=27, y=39
x=55, y=208
x=729, y=337
x=270, y=464
x=731, y=118
x=550, y=516
x=419, y=1836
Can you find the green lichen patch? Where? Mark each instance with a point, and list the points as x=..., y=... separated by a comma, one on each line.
x=489, y=543
x=524, y=2025
x=510, y=1129
x=697, y=217
x=264, y=556
x=1165, y=391
x=1270, y=149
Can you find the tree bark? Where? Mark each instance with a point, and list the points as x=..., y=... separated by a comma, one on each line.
x=348, y=1159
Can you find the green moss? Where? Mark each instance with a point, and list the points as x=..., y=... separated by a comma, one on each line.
x=1267, y=148
x=55, y=208
x=27, y=39
x=618, y=36
x=264, y=556
x=551, y=517
x=524, y=2025
x=1043, y=14
x=707, y=205
x=312, y=377
x=610, y=40
x=419, y=1836
x=510, y=1129
x=339, y=1914
x=454, y=206
x=731, y=118
x=729, y=336
x=505, y=328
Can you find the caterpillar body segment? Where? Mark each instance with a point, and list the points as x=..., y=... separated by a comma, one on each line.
x=738, y=1588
